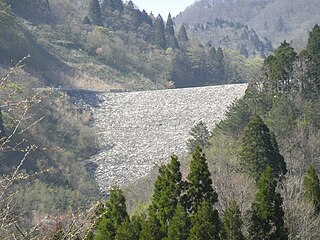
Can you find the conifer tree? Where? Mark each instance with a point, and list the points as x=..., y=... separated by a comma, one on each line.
x=258, y=150
x=129, y=229
x=115, y=215
x=199, y=182
x=151, y=228
x=2, y=132
x=267, y=216
x=167, y=190
x=182, y=35
x=232, y=222
x=313, y=50
x=200, y=136
x=205, y=223
x=170, y=37
x=95, y=12
x=179, y=225
x=160, y=37
x=311, y=188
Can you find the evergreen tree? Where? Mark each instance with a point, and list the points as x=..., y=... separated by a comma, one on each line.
x=95, y=12
x=172, y=41
x=179, y=225
x=151, y=228
x=200, y=136
x=86, y=21
x=259, y=150
x=311, y=188
x=266, y=220
x=167, y=190
x=199, y=182
x=313, y=50
x=115, y=215
x=129, y=229
x=205, y=223
x=2, y=132
x=118, y=5
x=232, y=222
x=182, y=35
x=169, y=25
x=160, y=37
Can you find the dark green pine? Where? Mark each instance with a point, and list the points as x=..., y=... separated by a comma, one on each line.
x=129, y=229
x=115, y=215
x=182, y=34
x=167, y=190
x=258, y=150
x=160, y=37
x=151, y=228
x=232, y=222
x=179, y=225
x=95, y=12
x=267, y=215
x=199, y=182
x=205, y=223
x=311, y=188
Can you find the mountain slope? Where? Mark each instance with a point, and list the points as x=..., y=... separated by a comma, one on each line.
x=275, y=19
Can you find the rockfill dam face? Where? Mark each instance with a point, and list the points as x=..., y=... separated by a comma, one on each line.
x=140, y=130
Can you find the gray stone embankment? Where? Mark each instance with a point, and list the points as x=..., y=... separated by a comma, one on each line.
x=139, y=130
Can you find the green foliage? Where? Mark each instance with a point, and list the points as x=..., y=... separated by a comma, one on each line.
x=257, y=150
x=160, y=37
x=129, y=229
x=151, y=228
x=182, y=35
x=200, y=182
x=279, y=68
x=167, y=190
x=179, y=225
x=6, y=16
x=95, y=12
x=115, y=215
x=200, y=136
x=205, y=223
x=232, y=222
x=267, y=216
x=2, y=131
x=311, y=188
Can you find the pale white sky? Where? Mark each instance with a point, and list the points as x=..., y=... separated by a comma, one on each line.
x=163, y=6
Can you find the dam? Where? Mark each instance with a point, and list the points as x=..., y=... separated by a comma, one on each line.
x=138, y=131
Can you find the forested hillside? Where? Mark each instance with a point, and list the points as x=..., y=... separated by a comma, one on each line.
x=277, y=20
x=254, y=176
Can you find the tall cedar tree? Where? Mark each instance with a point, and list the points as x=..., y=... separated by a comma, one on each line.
x=160, y=37
x=311, y=188
x=151, y=228
x=182, y=34
x=167, y=190
x=313, y=49
x=2, y=132
x=115, y=215
x=232, y=222
x=200, y=136
x=259, y=150
x=95, y=12
x=180, y=225
x=266, y=220
x=171, y=39
x=205, y=223
x=129, y=229
x=199, y=182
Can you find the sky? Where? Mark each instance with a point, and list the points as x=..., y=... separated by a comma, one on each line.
x=163, y=6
